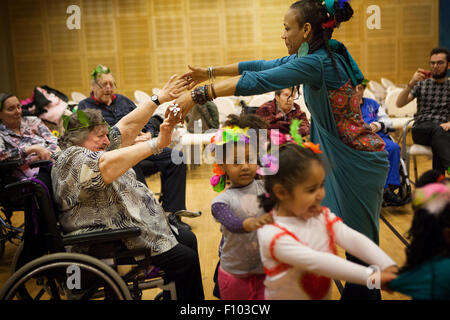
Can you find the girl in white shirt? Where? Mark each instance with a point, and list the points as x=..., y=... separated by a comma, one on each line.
x=298, y=250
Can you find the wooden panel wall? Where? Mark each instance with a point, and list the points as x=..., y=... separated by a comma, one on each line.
x=145, y=41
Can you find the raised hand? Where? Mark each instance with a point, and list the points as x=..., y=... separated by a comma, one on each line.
x=419, y=75
x=174, y=88
x=178, y=110
x=165, y=133
x=195, y=76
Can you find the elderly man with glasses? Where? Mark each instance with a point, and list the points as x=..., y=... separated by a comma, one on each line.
x=114, y=107
x=432, y=119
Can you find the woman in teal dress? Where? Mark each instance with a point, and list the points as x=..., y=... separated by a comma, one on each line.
x=358, y=164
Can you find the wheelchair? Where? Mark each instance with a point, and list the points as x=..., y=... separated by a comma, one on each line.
x=44, y=268
x=9, y=204
x=404, y=189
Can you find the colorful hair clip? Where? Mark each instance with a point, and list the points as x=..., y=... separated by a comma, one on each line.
x=293, y=130
x=341, y=3
x=218, y=180
x=313, y=147
x=433, y=197
x=218, y=183
x=269, y=165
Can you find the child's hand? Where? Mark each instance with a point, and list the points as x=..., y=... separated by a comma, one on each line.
x=266, y=218
x=392, y=269
x=251, y=224
x=385, y=278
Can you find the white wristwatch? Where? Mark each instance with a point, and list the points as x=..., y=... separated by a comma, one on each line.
x=155, y=99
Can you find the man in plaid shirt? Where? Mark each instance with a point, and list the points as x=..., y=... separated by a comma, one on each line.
x=432, y=119
x=279, y=112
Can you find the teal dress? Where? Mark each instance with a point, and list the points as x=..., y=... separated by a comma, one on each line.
x=358, y=164
x=429, y=281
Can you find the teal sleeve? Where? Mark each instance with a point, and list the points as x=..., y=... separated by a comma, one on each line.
x=284, y=75
x=260, y=65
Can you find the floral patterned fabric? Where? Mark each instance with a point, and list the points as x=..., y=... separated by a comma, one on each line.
x=352, y=129
x=32, y=131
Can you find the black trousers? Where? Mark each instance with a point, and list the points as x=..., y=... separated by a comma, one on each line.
x=173, y=180
x=433, y=135
x=181, y=264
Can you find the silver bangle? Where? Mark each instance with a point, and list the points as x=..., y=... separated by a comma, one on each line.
x=154, y=145
x=211, y=74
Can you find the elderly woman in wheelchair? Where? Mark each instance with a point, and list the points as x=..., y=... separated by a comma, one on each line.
x=22, y=140
x=99, y=199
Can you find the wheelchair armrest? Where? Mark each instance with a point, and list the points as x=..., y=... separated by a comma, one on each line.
x=10, y=165
x=101, y=236
x=40, y=163
x=18, y=184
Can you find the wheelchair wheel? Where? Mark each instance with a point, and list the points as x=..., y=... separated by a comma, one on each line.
x=16, y=258
x=65, y=276
x=2, y=240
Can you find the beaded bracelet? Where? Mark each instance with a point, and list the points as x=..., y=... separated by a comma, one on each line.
x=200, y=95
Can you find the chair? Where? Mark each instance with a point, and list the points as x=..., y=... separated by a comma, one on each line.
x=390, y=89
x=77, y=96
x=225, y=106
x=369, y=94
x=413, y=151
x=399, y=116
x=261, y=99
x=378, y=90
x=141, y=96
x=43, y=267
x=387, y=83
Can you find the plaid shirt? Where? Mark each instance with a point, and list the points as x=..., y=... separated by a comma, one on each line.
x=433, y=101
x=277, y=119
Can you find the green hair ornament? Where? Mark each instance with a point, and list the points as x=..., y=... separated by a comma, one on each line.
x=82, y=118
x=100, y=69
x=293, y=131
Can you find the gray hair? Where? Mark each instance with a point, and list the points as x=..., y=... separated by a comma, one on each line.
x=75, y=134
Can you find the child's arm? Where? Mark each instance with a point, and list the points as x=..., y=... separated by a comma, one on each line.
x=223, y=213
x=361, y=246
x=289, y=251
x=254, y=223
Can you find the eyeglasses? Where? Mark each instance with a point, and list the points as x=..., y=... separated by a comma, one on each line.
x=439, y=63
x=103, y=85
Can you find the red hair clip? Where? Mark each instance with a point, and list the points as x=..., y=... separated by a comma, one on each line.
x=329, y=24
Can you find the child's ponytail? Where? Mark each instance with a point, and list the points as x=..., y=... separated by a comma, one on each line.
x=267, y=201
